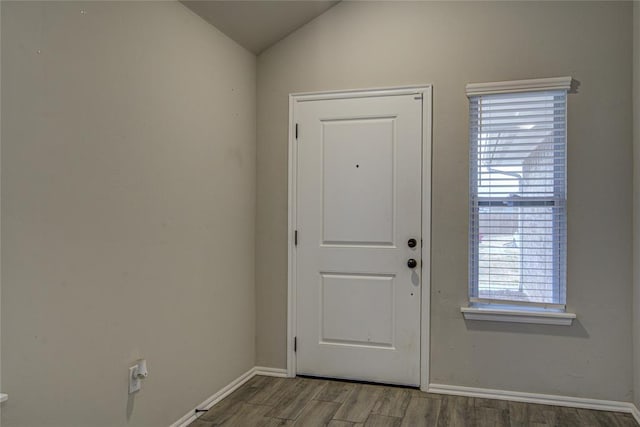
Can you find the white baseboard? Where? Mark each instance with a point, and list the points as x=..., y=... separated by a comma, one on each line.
x=191, y=416
x=270, y=372
x=543, y=399
x=636, y=413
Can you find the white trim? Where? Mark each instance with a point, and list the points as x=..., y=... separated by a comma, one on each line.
x=543, y=399
x=270, y=372
x=293, y=224
x=425, y=309
x=359, y=93
x=553, y=83
x=518, y=316
x=519, y=304
x=191, y=416
x=427, y=103
x=635, y=412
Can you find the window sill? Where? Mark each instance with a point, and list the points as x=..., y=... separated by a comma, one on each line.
x=518, y=315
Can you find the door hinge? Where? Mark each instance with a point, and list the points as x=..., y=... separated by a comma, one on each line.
x=295, y=237
x=296, y=131
x=295, y=344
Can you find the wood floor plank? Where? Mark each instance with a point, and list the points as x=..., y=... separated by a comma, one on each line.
x=359, y=403
x=422, y=412
x=274, y=422
x=340, y=423
x=393, y=402
x=588, y=417
x=492, y=403
x=336, y=391
x=492, y=412
x=222, y=411
x=248, y=414
x=270, y=387
x=608, y=419
x=296, y=398
x=518, y=414
x=457, y=411
x=317, y=414
x=463, y=412
x=626, y=420
x=419, y=393
x=491, y=417
x=568, y=417
x=250, y=388
x=444, y=417
x=279, y=391
x=201, y=423
x=542, y=414
x=375, y=420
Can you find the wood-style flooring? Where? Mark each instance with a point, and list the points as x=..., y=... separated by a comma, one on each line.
x=267, y=401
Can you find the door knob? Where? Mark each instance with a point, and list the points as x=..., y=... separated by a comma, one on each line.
x=412, y=243
x=412, y=263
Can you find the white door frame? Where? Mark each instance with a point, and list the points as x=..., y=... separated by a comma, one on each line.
x=426, y=92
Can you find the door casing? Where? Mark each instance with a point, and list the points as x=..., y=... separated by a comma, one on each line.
x=421, y=90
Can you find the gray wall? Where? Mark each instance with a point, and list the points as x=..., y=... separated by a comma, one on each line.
x=128, y=209
x=636, y=201
x=376, y=44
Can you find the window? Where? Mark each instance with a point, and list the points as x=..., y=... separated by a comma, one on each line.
x=517, y=188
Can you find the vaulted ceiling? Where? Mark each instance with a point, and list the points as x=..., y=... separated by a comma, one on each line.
x=256, y=25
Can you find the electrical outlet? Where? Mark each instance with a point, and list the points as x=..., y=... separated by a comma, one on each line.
x=135, y=383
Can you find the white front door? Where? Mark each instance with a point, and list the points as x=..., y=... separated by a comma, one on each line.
x=359, y=169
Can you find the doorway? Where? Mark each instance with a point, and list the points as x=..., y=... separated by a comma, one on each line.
x=359, y=200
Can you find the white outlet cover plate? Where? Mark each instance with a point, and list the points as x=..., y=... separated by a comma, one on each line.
x=135, y=384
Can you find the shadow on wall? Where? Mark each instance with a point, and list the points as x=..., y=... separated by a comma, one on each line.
x=576, y=330
x=130, y=406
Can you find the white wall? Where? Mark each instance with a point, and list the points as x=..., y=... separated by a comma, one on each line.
x=449, y=44
x=128, y=208
x=636, y=201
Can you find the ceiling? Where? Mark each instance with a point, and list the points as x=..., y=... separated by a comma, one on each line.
x=256, y=25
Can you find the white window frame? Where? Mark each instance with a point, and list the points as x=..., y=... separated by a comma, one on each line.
x=540, y=313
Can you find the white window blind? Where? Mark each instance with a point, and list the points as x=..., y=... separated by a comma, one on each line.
x=517, y=244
